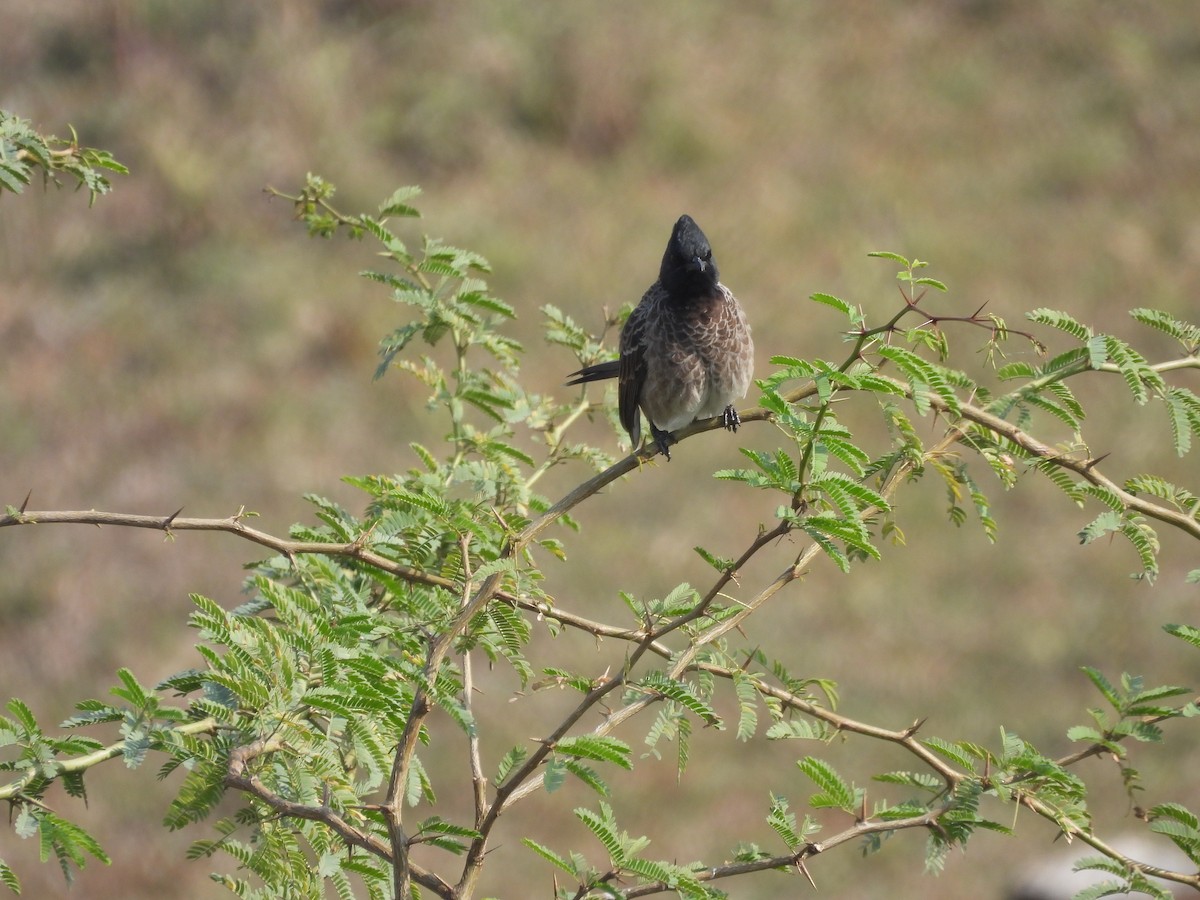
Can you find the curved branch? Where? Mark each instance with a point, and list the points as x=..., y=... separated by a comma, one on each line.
x=234, y=524
x=1084, y=468
x=55, y=768
x=808, y=851
x=237, y=776
x=1192, y=879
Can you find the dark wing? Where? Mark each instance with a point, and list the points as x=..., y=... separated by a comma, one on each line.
x=632, y=375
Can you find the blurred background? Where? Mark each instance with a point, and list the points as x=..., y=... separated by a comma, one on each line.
x=184, y=344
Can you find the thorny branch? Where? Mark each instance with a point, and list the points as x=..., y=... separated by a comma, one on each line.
x=645, y=640
x=239, y=776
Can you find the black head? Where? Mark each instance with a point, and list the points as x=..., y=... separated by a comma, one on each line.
x=688, y=268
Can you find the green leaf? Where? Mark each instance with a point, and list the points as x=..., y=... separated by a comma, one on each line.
x=550, y=856
x=1016, y=370
x=1097, y=350
x=783, y=821
x=845, y=486
x=746, y=689
x=555, y=775
x=1060, y=320
x=1133, y=367
x=683, y=743
x=588, y=776
x=23, y=714
x=1180, y=824
x=1184, y=633
x=801, y=729
x=13, y=176
x=511, y=760
x=398, y=205
x=1104, y=524
x=484, y=301
x=682, y=693
x=1183, y=410
x=894, y=257
x=605, y=830
x=837, y=303
x=1104, y=686
x=853, y=532
x=830, y=549
x=9, y=878
x=720, y=563
x=923, y=376
x=835, y=791
x=601, y=748
x=438, y=825
x=1148, y=696
x=921, y=780
x=1185, y=332
x=1085, y=733
x=681, y=599
x=1145, y=542
x=570, y=679
x=954, y=752
x=1068, y=412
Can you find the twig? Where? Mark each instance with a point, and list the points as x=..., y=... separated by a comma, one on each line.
x=239, y=776
x=806, y=852
x=478, y=780
x=1192, y=879
x=1085, y=468
x=54, y=768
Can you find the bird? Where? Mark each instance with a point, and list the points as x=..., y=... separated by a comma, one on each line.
x=685, y=350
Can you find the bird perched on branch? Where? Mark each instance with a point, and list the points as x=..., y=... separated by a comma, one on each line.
x=686, y=351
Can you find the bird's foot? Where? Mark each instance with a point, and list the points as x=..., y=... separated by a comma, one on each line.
x=664, y=440
x=730, y=418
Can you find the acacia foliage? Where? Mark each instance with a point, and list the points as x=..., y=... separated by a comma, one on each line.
x=312, y=702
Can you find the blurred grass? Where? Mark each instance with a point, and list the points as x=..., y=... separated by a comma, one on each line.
x=184, y=344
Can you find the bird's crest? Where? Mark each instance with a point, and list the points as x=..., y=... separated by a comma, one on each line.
x=688, y=268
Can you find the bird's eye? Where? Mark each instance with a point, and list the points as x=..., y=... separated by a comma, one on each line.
x=707, y=255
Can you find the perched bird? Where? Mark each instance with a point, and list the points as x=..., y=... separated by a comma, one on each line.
x=686, y=351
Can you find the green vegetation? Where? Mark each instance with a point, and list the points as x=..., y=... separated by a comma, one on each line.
x=23, y=152
x=319, y=702
x=181, y=345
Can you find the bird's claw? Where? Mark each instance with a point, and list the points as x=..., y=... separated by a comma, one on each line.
x=664, y=440
x=730, y=418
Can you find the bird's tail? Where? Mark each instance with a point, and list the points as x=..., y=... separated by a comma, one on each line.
x=598, y=372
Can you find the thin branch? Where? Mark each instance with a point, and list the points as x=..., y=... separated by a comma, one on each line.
x=1171, y=365
x=1084, y=468
x=356, y=550
x=554, y=440
x=440, y=646
x=55, y=768
x=478, y=780
x=239, y=777
x=542, y=609
x=1071, y=831
x=808, y=851
x=730, y=573
x=1100, y=749
x=905, y=738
